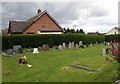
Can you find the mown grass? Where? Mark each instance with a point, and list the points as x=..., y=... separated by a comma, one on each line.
x=48, y=66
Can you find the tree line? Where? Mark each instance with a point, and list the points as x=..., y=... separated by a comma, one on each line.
x=73, y=31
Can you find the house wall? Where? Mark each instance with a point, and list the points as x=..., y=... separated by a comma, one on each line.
x=38, y=25
x=49, y=32
x=113, y=31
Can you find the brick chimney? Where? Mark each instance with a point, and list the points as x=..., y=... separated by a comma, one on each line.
x=39, y=11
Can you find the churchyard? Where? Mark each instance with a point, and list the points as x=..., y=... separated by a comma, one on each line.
x=54, y=64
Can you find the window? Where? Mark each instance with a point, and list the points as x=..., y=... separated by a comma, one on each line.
x=30, y=33
x=43, y=25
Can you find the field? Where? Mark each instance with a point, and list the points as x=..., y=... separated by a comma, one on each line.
x=47, y=66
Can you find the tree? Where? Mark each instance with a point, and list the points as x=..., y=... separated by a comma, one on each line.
x=68, y=30
x=77, y=31
x=81, y=31
x=65, y=30
x=72, y=31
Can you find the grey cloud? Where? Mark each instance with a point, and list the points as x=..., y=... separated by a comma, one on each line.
x=97, y=11
x=63, y=12
x=16, y=11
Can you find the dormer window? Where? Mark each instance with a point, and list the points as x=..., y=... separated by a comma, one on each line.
x=43, y=25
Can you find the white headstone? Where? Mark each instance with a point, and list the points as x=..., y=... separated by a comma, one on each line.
x=64, y=45
x=104, y=52
x=108, y=43
x=60, y=47
x=70, y=45
x=77, y=46
x=91, y=45
x=35, y=50
x=73, y=45
x=80, y=43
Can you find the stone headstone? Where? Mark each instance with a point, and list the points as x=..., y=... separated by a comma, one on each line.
x=16, y=47
x=54, y=48
x=80, y=43
x=64, y=45
x=46, y=47
x=76, y=46
x=70, y=45
x=91, y=44
x=105, y=43
x=35, y=50
x=96, y=43
x=108, y=43
x=104, y=52
x=10, y=51
x=73, y=46
x=66, y=68
x=60, y=47
x=87, y=45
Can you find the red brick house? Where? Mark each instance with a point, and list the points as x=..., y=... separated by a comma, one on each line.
x=92, y=33
x=42, y=23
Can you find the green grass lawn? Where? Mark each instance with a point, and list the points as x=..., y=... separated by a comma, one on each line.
x=48, y=66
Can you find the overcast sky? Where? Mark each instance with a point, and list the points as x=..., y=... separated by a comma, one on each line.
x=93, y=16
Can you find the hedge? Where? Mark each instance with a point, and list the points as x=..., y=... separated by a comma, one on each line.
x=109, y=38
x=36, y=40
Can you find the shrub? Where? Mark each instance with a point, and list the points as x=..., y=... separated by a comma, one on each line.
x=36, y=40
x=109, y=38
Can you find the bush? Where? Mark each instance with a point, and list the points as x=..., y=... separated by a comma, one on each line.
x=109, y=38
x=36, y=40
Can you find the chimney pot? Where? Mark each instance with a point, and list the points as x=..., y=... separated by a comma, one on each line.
x=39, y=11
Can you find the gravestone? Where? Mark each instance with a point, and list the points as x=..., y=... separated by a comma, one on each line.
x=70, y=45
x=108, y=43
x=64, y=45
x=73, y=46
x=87, y=45
x=91, y=44
x=60, y=47
x=105, y=43
x=54, y=48
x=35, y=50
x=80, y=43
x=96, y=43
x=46, y=47
x=16, y=47
x=10, y=51
x=76, y=46
x=104, y=52
x=99, y=44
